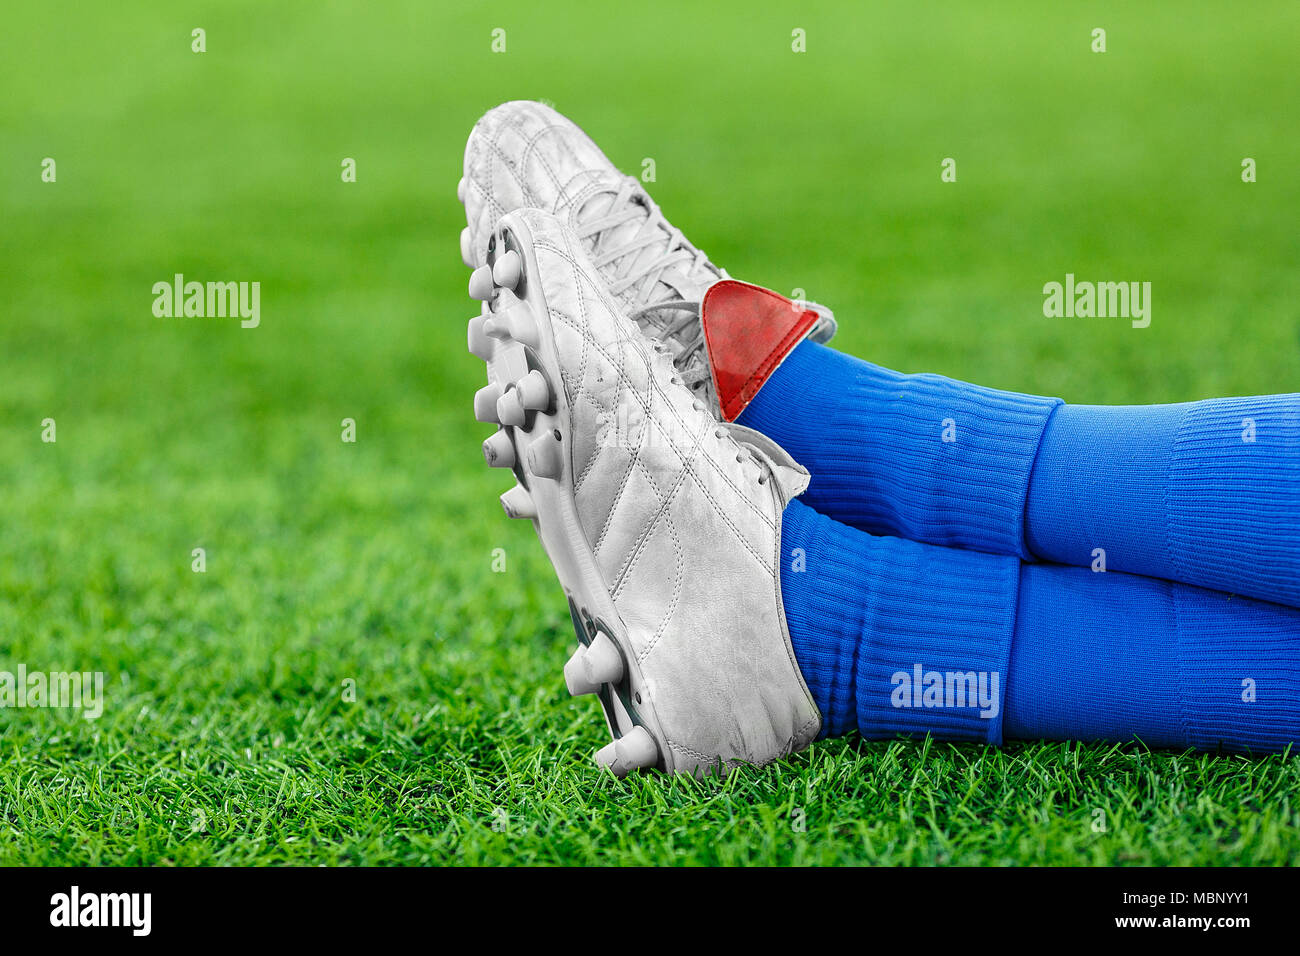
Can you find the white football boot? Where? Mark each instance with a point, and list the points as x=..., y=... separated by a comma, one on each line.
x=663, y=524
x=525, y=155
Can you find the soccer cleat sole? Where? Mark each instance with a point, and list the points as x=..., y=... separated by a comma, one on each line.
x=525, y=395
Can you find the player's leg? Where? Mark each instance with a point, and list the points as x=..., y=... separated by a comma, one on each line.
x=1206, y=493
x=894, y=636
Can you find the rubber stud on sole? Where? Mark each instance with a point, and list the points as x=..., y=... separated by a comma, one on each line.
x=480, y=283
x=485, y=403
x=602, y=664
x=518, y=503
x=543, y=457
x=510, y=411
x=466, y=248
x=513, y=323
x=533, y=391
x=499, y=451
x=575, y=674
x=480, y=343
x=508, y=269
x=634, y=749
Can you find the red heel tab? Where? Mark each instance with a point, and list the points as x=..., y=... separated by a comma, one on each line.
x=748, y=332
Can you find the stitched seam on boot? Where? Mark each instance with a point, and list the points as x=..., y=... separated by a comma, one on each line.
x=654, y=386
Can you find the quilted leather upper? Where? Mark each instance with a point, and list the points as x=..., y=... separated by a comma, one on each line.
x=683, y=516
x=525, y=155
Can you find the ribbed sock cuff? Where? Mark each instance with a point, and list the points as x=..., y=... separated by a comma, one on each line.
x=1239, y=671
x=923, y=457
x=1234, y=497
x=895, y=637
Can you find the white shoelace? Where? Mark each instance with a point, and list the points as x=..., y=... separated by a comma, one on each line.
x=652, y=255
x=657, y=253
x=668, y=249
x=654, y=260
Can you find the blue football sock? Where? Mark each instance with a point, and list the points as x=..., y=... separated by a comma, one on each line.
x=863, y=610
x=1114, y=656
x=918, y=456
x=896, y=637
x=1206, y=493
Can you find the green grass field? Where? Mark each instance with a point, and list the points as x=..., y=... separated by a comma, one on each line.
x=226, y=736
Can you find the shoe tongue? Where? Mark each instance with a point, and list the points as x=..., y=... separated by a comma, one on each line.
x=748, y=331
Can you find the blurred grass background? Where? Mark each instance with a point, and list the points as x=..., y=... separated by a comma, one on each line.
x=225, y=737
